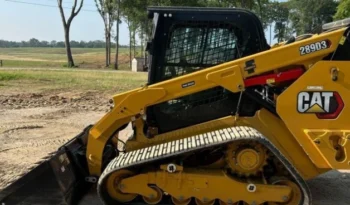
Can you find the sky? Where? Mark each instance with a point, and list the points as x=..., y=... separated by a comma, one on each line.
x=19, y=21
x=23, y=21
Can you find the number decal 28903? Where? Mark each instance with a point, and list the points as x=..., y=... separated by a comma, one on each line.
x=313, y=47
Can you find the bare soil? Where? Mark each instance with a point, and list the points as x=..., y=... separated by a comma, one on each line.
x=35, y=124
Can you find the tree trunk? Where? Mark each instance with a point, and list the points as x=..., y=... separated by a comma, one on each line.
x=109, y=47
x=66, y=27
x=106, y=51
x=130, y=44
x=106, y=36
x=117, y=39
x=142, y=38
x=70, y=62
x=261, y=13
x=242, y=4
x=117, y=46
x=134, y=41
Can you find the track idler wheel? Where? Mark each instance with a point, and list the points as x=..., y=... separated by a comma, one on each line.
x=154, y=199
x=200, y=202
x=296, y=195
x=180, y=201
x=114, y=186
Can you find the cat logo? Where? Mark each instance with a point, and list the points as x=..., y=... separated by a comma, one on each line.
x=326, y=105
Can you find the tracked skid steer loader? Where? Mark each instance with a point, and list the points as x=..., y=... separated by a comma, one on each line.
x=224, y=119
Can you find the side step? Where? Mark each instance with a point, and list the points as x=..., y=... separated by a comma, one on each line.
x=58, y=179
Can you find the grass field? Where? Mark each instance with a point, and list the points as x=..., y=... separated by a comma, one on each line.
x=71, y=79
x=56, y=57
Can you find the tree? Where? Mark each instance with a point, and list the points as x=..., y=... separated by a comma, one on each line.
x=128, y=21
x=343, y=10
x=60, y=44
x=106, y=8
x=134, y=14
x=44, y=44
x=66, y=27
x=33, y=42
x=130, y=10
x=278, y=12
x=259, y=7
x=308, y=16
x=53, y=43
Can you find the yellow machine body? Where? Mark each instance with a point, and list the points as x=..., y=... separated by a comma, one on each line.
x=311, y=137
x=295, y=131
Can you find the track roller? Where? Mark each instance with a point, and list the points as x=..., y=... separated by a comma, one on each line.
x=154, y=199
x=205, y=202
x=180, y=201
x=115, y=187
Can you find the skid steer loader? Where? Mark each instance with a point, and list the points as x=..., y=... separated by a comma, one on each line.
x=223, y=119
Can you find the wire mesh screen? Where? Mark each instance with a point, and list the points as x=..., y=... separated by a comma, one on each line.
x=193, y=46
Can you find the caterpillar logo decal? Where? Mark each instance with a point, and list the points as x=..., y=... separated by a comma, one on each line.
x=326, y=105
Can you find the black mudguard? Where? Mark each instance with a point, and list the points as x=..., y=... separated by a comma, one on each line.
x=58, y=179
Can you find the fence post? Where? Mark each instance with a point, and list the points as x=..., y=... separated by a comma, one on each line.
x=0, y=63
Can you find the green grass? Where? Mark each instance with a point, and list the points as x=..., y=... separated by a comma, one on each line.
x=60, y=52
x=114, y=81
x=22, y=63
x=56, y=57
x=45, y=68
x=10, y=76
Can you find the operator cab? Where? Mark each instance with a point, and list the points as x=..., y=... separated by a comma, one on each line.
x=188, y=39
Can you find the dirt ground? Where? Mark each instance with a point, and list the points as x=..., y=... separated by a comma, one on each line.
x=35, y=124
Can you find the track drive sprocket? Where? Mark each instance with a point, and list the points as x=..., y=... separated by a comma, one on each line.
x=246, y=159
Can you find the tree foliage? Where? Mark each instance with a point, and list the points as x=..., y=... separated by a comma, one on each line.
x=278, y=13
x=308, y=16
x=134, y=14
x=343, y=10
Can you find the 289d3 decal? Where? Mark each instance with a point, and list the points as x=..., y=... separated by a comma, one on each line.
x=313, y=47
x=325, y=104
